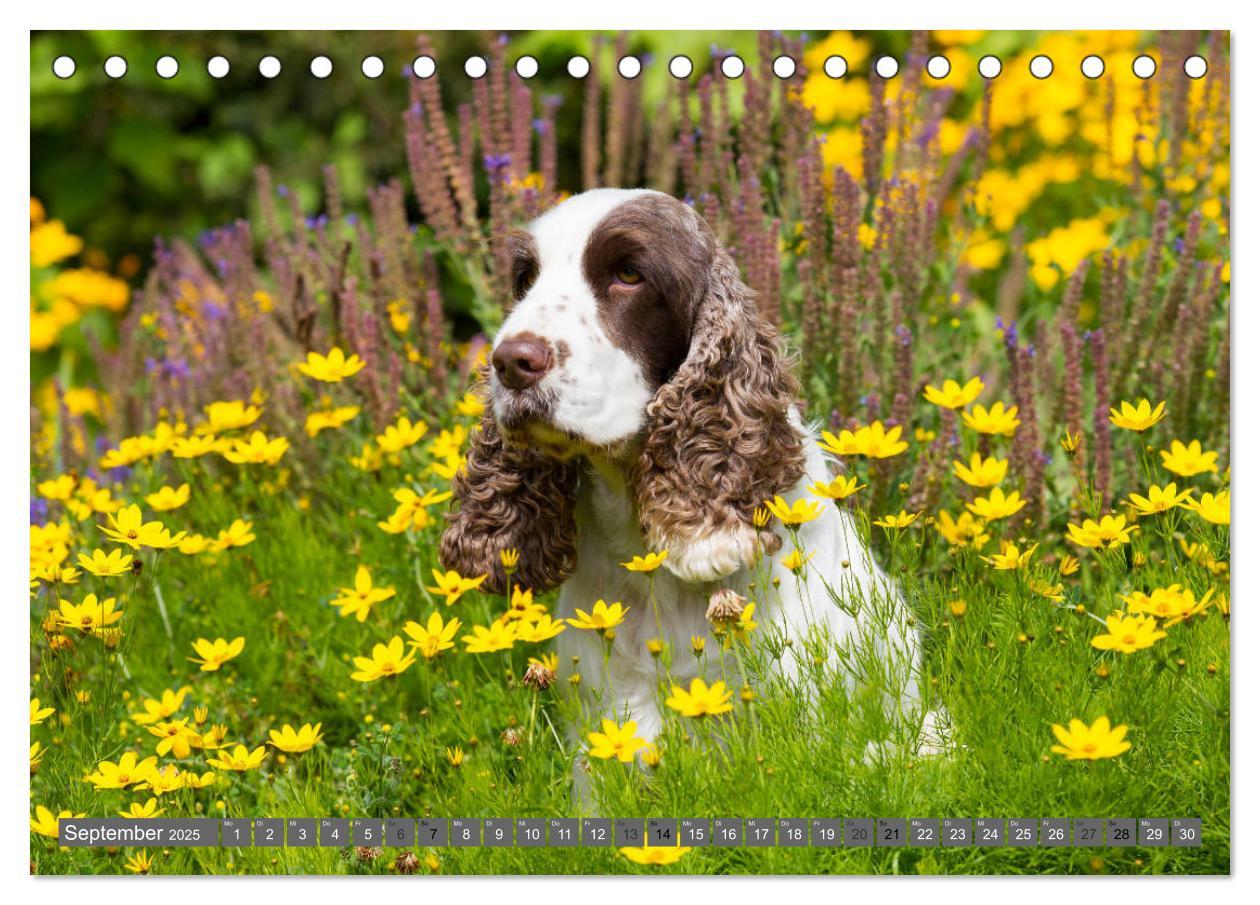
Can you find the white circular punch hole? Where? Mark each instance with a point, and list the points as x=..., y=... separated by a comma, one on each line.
x=579, y=67
x=63, y=67
x=372, y=67
x=1041, y=66
x=527, y=67
x=167, y=67
x=886, y=67
x=732, y=67
x=1143, y=66
x=680, y=67
x=218, y=67
x=321, y=67
x=269, y=67
x=629, y=67
x=476, y=67
x=784, y=66
x=989, y=67
x=115, y=67
x=1092, y=66
x=1195, y=67
x=835, y=67
x=423, y=66
x=938, y=66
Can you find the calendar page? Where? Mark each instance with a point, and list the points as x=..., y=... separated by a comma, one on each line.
x=629, y=452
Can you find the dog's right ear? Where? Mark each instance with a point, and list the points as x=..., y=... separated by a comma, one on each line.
x=511, y=497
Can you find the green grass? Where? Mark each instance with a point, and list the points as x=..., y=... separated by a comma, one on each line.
x=1006, y=670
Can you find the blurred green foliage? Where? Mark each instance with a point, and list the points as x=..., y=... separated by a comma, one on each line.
x=122, y=161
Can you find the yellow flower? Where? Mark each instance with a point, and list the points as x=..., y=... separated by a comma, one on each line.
x=258, y=450
x=953, y=396
x=602, y=616
x=902, y=519
x=794, y=561
x=654, y=854
x=51, y=243
x=958, y=608
x=38, y=713
x=128, y=527
x=139, y=811
x=871, y=441
x=103, y=564
x=1139, y=419
x=650, y=755
x=46, y=823
x=798, y=513
x=239, y=759
x=1173, y=604
x=387, y=660
x=995, y=420
x=213, y=654
x=90, y=615
x=59, y=489
x=1128, y=634
x=127, y=772
x=331, y=368
x=522, y=606
x=401, y=435
x=1046, y=589
x=741, y=627
x=483, y=640
x=175, y=737
x=194, y=544
x=359, y=600
x=192, y=447
x=470, y=405
x=539, y=630
x=139, y=863
x=1212, y=507
x=412, y=510
x=966, y=530
x=160, y=708
x=1070, y=442
x=701, y=699
x=448, y=443
x=452, y=584
x=1188, y=461
x=982, y=472
x=238, y=534
x=997, y=505
x=1108, y=531
x=226, y=416
x=1158, y=499
x=327, y=419
x=1069, y=565
x=1010, y=558
x=839, y=488
x=168, y=498
x=1079, y=742
x=455, y=756
x=292, y=741
x=615, y=741
x=510, y=557
x=649, y=563
x=435, y=636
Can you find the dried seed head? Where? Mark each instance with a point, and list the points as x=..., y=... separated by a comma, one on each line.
x=725, y=605
x=538, y=677
x=407, y=863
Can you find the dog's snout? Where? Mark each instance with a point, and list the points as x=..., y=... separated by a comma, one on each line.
x=521, y=361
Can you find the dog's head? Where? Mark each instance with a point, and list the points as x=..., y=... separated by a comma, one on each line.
x=630, y=337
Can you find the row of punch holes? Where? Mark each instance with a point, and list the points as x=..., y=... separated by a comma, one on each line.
x=630, y=67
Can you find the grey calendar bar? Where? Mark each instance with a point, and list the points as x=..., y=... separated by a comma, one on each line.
x=605, y=832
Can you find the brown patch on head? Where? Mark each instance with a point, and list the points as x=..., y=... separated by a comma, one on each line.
x=672, y=248
x=563, y=351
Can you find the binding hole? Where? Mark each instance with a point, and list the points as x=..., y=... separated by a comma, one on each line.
x=423, y=66
x=680, y=66
x=732, y=66
x=629, y=67
x=784, y=66
x=1093, y=67
x=167, y=67
x=938, y=66
x=372, y=67
x=115, y=67
x=1144, y=66
x=886, y=67
x=476, y=67
x=579, y=67
x=527, y=67
x=218, y=66
x=1041, y=66
x=321, y=67
x=63, y=67
x=835, y=66
x=989, y=67
x=269, y=67
x=1195, y=66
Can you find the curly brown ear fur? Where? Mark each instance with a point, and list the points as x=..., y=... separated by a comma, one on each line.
x=719, y=442
x=511, y=497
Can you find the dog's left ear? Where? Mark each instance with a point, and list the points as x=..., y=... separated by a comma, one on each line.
x=719, y=442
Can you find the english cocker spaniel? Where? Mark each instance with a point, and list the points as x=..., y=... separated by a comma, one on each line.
x=639, y=402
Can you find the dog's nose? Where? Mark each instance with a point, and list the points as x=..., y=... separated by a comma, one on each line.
x=521, y=361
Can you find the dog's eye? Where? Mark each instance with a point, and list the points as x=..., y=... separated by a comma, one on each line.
x=628, y=275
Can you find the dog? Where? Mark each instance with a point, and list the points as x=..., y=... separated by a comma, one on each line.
x=638, y=402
